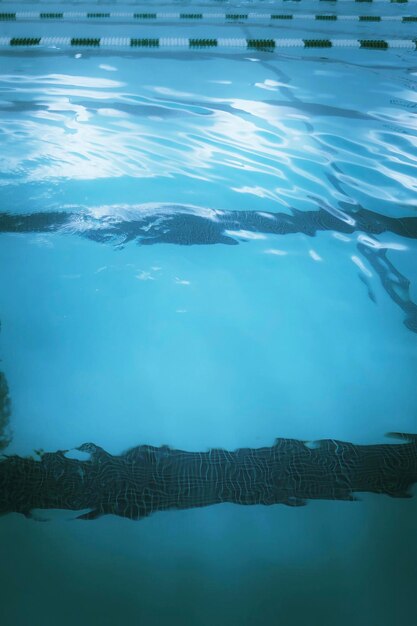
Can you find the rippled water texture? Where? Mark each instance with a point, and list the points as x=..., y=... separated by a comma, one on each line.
x=298, y=162
x=210, y=251
x=127, y=147
x=260, y=135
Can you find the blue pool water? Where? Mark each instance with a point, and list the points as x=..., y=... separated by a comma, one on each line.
x=227, y=343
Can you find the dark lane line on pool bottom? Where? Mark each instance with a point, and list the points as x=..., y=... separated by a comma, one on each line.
x=147, y=479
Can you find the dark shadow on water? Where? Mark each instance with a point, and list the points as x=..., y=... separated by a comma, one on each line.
x=146, y=479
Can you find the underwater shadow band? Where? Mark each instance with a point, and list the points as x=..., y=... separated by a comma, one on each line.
x=148, y=479
x=183, y=225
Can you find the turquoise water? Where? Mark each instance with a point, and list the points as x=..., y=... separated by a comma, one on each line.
x=208, y=345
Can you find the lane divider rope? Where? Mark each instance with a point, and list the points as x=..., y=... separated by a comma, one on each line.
x=196, y=17
x=201, y=43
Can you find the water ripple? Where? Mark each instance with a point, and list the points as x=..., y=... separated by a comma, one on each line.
x=259, y=135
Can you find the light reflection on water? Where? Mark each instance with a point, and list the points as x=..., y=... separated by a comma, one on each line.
x=285, y=140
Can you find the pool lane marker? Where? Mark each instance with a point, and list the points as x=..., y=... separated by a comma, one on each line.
x=201, y=43
x=23, y=16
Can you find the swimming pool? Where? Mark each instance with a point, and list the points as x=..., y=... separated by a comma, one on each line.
x=209, y=248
